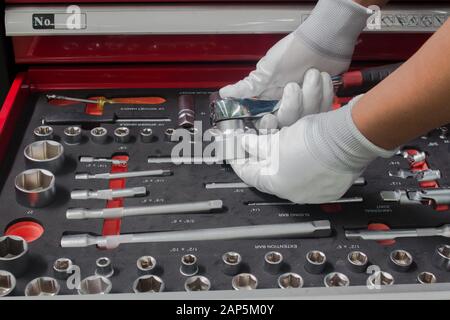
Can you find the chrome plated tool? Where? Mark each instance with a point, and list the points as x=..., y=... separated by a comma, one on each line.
x=420, y=176
x=438, y=196
x=43, y=286
x=443, y=231
x=122, y=175
x=288, y=203
x=45, y=154
x=119, y=162
x=14, y=255
x=148, y=284
x=7, y=283
x=43, y=133
x=95, y=285
x=108, y=194
x=35, y=188
x=72, y=135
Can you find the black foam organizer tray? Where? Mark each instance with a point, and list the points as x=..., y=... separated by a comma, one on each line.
x=187, y=184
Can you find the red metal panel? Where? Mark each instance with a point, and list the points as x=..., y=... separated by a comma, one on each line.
x=189, y=48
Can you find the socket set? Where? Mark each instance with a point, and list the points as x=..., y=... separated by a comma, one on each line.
x=92, y=192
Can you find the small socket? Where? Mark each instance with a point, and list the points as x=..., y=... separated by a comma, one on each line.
x=13, y=254
x=122, y=135
x=169, y=135
x=148, y=284
x=315, y=261
x=273, y=262
x=197, y=283
x=244, y=281
x=189, y=266
x=231, y=262
x=358, y=261
x=146, y=264
x=72, y=135
x=336, y=279
x=7, y=283
x=62, y=268
x=380, y=278
x=290, y=280
x=43, y=133
x=426, y=278
x=44, y=286
x=95, y=285
x=99, y=135
x=441, y=257
x=104, y=267
x=45, y=154
x=146, y=135
x=401, y=260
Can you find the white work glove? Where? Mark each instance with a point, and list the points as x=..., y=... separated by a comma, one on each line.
x=325, y=41
x=315, y=96
x=313, y=161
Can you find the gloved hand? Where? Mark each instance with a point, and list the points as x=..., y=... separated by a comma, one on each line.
x=315, y=160
x=325, y=41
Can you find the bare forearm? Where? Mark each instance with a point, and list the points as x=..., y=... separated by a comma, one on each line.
x=413, y=100
x=367, y=3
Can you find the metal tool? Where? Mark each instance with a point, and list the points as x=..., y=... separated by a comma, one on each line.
x=122, y=175
x=186, y=110
x=95, y=285
x=438, y=196
x=146, y=135
x=171, y=136
x=426, y=277
x=35, y=188
x=148, y=284
x=243, y=185
x=62, y=268
x=336, y=279
x=43, y=286
x=81, y=118
x=99, y=135
x=72, y=135
x=43, y=133
x=197, y=283
x=146, y=264
x=108, y=194
x=273, y=262
x=358, y=261
x=104, y=267
x=420, y=176
x=186, y=160
x=13, y=254
x=441, y=257
x=316, y=261
x=244, y=281
x=45, y=154
x=112, y=213
x=231, y=263
x=102, y=100
x=189, y=265
x=7, y=283
x=320, y=228
x=117, y=162
x=288, y=203
x=380, y=278
x=413, y=157
x=401, y=260
x=378, y=235
x=122, y=135
x=290, y=280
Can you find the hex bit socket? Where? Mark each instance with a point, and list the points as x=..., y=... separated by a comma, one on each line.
x=43, y=133
x=72, y=135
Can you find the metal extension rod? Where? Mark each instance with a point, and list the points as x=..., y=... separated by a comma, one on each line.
x=320, y=228
x=443, y=231
x=108, y=194
x=111, y=213
x=122, y=175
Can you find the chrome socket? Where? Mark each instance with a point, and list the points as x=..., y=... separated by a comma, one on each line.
x=244, y=281
x=231, y=263
x=146, y=135
x=315, y=262
x=197, y=283
x=189, y=266
x=148, y=284
x=357, y=261
x=43, y=133
x=7, y=283
x=45, y=154
x=104, y=267
x=426, y=278
x=146, y=264
x=336, y=279
x=99, y=135
x=43, y=286
x=273, y=262
x=72, y=135
x=62, y=268
x=13, y=254
x=95, y=285
x=380, y=278
x=122, y=135
x=35, y=188
x=441, y=257
x=290, y=280
x=401, y=260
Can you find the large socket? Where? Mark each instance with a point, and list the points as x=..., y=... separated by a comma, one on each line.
x=45, y=154
x=35, y=188
x=441, y=257
x=95, y=285
x=13, y=255
x=43, y=286
x=7, y=283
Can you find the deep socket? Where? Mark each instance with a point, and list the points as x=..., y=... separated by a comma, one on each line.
x=189, y=266
x=95, y=285
x=43, y=133
x=122, y=135
x=380, y=278
x=231, y=263
x=43, y=286
x=35, y=188
x=273, y=262
x=290, y=280
x=148, y=284
x=244, y=281
x=72, y=135
x=426, y=278
x=197, y=283
x=336, y=279
x=45, y=154
x=104, y=267
x=315, y=261
x=13, y=255
x=99, y=135
x=357, y=261
x=146, y=264
x=7, y=283
x=62, y=268
x=441, y=257
x=146, y=135
x=400, y=260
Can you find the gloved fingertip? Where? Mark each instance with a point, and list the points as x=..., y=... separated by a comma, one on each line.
x=267, y=123
x=312, y=77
